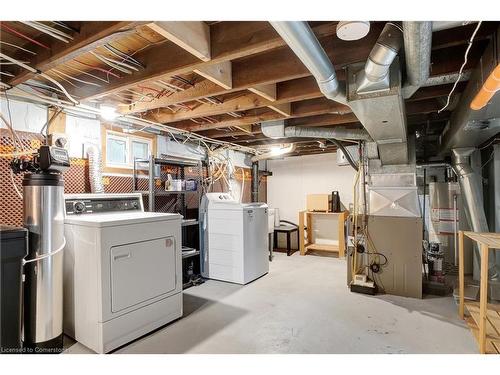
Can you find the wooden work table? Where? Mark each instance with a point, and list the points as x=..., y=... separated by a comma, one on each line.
x=306, y=245
x=484, y=321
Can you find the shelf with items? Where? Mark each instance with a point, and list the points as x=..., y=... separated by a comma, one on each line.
x=484, y=320
x=150, y=178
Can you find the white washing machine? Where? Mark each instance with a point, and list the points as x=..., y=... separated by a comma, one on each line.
x=122, y=269
x=235, y=240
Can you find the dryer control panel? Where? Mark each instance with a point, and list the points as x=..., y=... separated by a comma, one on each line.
x=86, y=205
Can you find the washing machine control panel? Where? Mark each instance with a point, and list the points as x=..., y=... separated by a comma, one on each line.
x=102, y=205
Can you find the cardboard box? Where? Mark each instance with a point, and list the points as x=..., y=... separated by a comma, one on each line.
x=318, y=202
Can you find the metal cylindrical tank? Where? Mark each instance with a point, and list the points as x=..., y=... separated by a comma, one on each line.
x=43, y=291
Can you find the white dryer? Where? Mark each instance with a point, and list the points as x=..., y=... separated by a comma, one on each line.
x=235, y=240
x=122, y=269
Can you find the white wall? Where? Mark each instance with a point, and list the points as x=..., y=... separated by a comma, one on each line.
x=295, y=177
x=26, y=117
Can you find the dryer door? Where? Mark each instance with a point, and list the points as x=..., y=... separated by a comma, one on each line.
x=141, y=271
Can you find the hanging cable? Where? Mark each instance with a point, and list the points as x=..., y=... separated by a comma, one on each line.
x=33, y=70
x=19, y=34
x=471, y=40
x=18, y=47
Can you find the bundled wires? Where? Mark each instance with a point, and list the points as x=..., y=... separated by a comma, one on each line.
x=44, y=75
x=49, y=30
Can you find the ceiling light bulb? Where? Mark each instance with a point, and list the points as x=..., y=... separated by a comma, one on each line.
x=108, y=113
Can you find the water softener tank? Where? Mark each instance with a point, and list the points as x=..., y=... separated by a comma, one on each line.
x=43, y=201
x=43, y=292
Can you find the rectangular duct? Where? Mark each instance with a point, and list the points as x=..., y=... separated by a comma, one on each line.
x=382, y=113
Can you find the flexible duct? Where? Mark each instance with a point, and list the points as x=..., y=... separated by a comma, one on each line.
x=301, y=39
x=277, y=129
x=470, y=185
x=418, y=45
x=95, y=170
x=327, y=133
x=376, y=73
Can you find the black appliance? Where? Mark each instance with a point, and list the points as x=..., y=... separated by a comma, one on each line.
x=335, y=202
x=13, y=248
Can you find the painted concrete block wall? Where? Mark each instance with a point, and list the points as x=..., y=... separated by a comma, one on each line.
x=295, y=177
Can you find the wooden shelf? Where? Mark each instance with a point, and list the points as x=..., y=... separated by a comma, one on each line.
x=319, y=247
x=492, y=240
x=305, y=217
x=492, y=325
x=485, y=318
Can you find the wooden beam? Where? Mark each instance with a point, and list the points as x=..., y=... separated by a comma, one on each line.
x=266, y=91
x=193, y=36
x=247, y=102
x=92, y=35
x=284, y=109
x=220, y=74
x=242, y=39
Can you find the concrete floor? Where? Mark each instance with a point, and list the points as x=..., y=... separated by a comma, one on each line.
x=304, y=306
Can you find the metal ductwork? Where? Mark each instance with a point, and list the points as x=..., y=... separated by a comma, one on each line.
x=376, y=73
x=468, y=127
x=301, y=39
x=418, y=45
x=471, y=188
x=277, y=129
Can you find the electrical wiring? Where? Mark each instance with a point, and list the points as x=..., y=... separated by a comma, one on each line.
x=53, y=30
x=11, y=63
x=95, y=67
x=7, y=74
x=33, y=70
x=115, y=51
x=87, y=73
x=471, y=40
x=76, y=79
x=43, y=86
x=64, y=79
x=47, y=124
x=121, y=66
x=18, y=47
x=49, y=31
x=23, y=36
x=67, y=27
x=15, y=138
x=130, y=119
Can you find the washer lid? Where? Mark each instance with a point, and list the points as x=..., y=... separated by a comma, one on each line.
x=120, y=218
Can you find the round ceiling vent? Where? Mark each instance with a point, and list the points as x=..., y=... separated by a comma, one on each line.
x=352, y=30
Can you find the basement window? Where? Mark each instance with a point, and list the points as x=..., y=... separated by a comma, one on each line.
x=121, y=150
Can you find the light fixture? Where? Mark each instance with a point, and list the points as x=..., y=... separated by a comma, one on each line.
x=108, y=113
x=352, y=30
x=275, y=150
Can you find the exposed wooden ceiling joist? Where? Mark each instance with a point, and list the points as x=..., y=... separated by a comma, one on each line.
x=228, y=40
x=192, y=36
x=90, y=36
